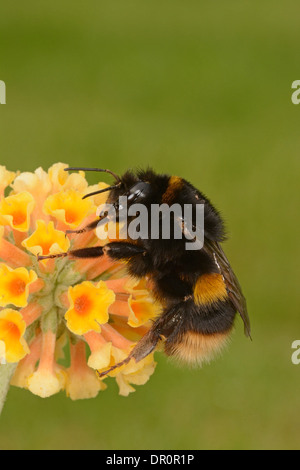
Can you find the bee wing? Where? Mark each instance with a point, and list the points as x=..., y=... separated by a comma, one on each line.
x=232, y=284
x=233, y=287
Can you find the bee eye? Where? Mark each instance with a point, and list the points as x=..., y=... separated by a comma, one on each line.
x=139, y=191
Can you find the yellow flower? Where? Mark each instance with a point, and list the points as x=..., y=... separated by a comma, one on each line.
x=63, y=180
x=116, y=355
x=139, y=307
x=136, y=373
x=137, y=287
x=110, y=348
x=12, y=329
x=45, y=383
x=68, y=207
x=142, y=309
x=49, y=378
x=100, y=350
x=89, y=305
x=6, y=177
x=15, y=211
x=37, y=183
x=81, y=380
x=26, y=366
x=58, y=176
x=14, y=285
x=55, y=299
x=46, y=240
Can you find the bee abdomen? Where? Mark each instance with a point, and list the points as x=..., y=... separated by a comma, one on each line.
x=197, y=348
x=203, y=331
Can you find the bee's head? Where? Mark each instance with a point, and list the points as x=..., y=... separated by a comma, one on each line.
x=141, y=187
x=134, y=189
x=144, y=187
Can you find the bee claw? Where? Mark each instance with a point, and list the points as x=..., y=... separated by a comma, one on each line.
x=116, y=366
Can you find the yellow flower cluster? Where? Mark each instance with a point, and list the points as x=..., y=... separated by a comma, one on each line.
x=90, y=306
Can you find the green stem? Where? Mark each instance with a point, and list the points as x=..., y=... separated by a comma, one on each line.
x=6, y=373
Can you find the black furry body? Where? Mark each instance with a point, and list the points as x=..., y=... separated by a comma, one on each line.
x=198, y=290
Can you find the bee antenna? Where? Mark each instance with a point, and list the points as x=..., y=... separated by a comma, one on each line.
x=102, y=190
x=117, y=178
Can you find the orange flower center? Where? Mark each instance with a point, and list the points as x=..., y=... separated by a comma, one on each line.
x=17, y=287
x=46, y=247
x=71, y=216
x=82, y=304
x=19, y=218
x=9, y=329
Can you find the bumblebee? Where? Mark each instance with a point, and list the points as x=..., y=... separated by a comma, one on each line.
x=198, y=289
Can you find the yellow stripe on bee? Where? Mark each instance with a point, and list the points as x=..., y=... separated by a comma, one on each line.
x=210, y=288
x=175, y=184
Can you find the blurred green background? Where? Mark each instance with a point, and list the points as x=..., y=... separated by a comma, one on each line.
x=194, y=88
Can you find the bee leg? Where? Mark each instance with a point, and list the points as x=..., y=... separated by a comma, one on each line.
x=161, y=328
x=115, y=250
x=142, y=349
x=91, y=252
x=166, y=327
x=87, y=228
x=123, y=250
x=90, y=226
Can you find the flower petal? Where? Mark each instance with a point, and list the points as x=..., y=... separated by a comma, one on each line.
x=45, y=384
x=68, y=207
x=12, y=329
x=89, y=305
x=63, y=180
x=38, y=183
x=15, y=211
x=142, y=309
x=6, y=178
x=82, y=382
x=46, y=240
x=14, y=285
